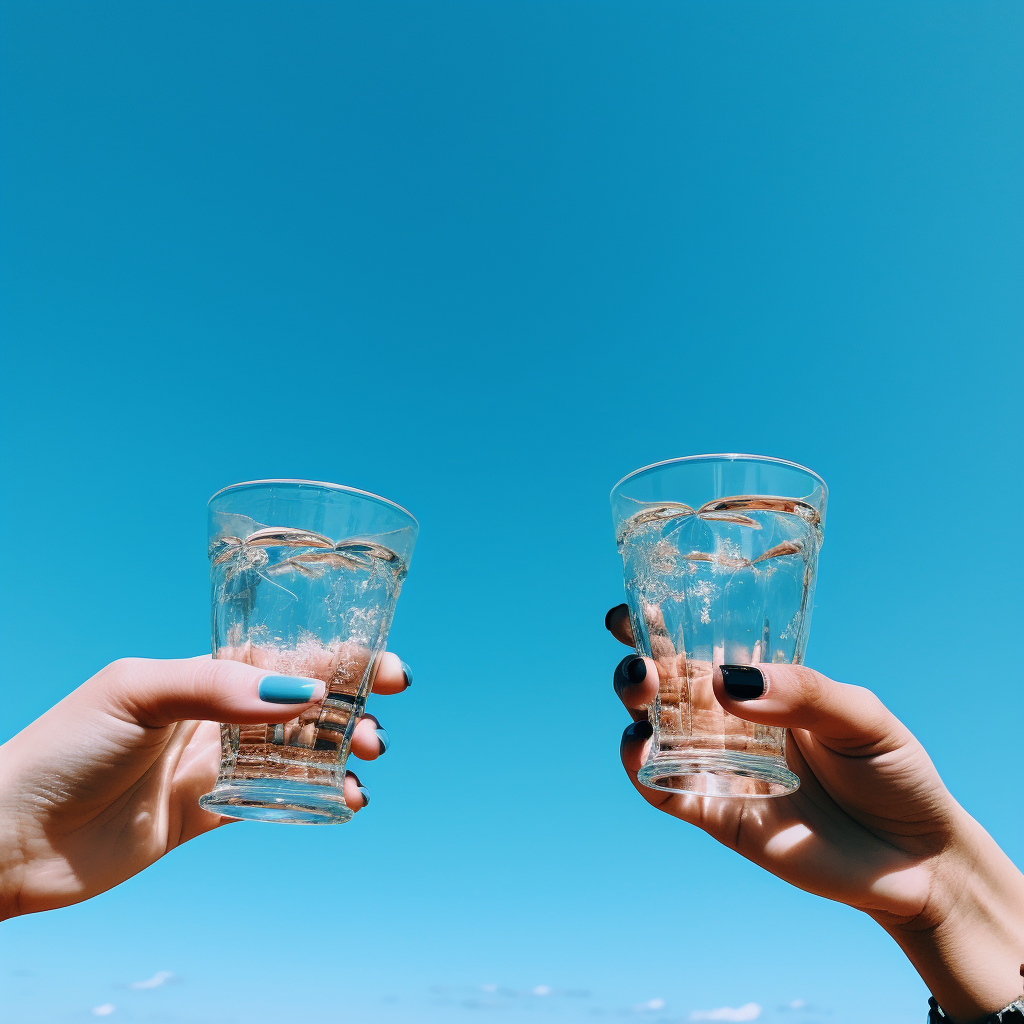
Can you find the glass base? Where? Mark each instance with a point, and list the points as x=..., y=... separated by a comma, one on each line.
x=718, y=773
x=282, y=801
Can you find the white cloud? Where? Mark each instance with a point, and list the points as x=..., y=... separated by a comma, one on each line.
x=748, y=1011
x=650, y=1006
x=796, y=1004
x=104, y=1011
x=488, y=988
x=541, y=990
x=156, y=981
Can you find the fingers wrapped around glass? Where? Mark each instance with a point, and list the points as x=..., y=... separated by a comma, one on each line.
x=719, y=557
x=305, y=579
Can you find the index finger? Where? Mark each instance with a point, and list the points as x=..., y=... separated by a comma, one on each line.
x=617, y=623
x=661, y=643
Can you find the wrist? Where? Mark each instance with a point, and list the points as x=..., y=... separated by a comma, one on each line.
x=968, y=943
x=1013, y=1013
x=12, y=865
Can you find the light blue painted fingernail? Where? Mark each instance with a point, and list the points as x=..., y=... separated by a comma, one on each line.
x=383, y=738
x=408, y=675
x=366, y=796
x=286, y=689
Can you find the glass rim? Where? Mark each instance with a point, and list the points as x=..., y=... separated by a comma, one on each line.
x=720, y=457
x=318, y=483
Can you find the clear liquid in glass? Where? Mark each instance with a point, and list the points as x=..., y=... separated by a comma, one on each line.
x=731, y=582
x=299, y=603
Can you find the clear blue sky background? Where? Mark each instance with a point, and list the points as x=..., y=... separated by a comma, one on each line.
x=485, y=258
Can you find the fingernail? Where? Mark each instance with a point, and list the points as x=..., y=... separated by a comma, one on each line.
x=611, y=612
x=408, y=675
x=635, y=670
x=632, y=670
x=642, y=730
x=743, y=682
x=366, y=796
x=290, y=689
x=384, y=738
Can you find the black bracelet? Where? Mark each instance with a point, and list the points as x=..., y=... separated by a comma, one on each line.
x=1012, y=1014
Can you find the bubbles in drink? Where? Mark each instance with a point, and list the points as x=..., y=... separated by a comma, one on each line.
x=299, y=603
x=731, y=582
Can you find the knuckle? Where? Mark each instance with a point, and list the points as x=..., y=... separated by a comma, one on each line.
x=123, y=679
x=124, y=668
x=200, y=682
x=869, y=697
x=124, y=687
x=809, y=686
x=874, y=710
x=209, y=679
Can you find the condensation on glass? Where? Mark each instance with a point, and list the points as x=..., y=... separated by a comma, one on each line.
x=720, y=555
x=304, y=578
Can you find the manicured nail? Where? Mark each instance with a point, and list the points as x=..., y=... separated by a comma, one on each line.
x=408, y=675
x=366, y=796
x=642, y=730
x=743, y=682
x=635, y=670
x=632, y=670
x=383, y=738
x=290, y=689
x=611, y=612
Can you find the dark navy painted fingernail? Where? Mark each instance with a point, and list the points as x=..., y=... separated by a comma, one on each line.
x=408, y=675
x=384, y=738
x=635, y=670
x=288, y=689
x=366, y=796
x=631, y=670
x=743, y=682
x=642, y=730
x=608, y=617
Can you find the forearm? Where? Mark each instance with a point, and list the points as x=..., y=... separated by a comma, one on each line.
x=969, y=945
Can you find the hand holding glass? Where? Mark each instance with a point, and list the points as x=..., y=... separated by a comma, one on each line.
x=719, y=556
x=305, y=578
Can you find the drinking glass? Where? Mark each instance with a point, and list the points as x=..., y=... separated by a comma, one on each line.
x=719, y=555
x=304, y=581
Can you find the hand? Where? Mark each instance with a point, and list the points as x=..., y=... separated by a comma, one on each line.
x=871, y=826
x=108, y=780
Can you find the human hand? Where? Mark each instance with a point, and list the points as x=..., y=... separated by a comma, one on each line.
x=108, y=780
x=872, y=826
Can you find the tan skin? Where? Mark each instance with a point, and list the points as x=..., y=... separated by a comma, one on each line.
x=108, y=781
x=872, y=826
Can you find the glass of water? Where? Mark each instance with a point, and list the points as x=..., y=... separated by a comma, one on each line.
x=304, y=581
x=719, y=555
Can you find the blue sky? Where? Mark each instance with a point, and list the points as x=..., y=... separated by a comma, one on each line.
x=485, y=258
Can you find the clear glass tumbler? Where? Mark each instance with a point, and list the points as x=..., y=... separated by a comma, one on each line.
x=304, y=580
x=719, y=554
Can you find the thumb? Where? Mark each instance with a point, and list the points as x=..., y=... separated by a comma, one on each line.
x=845, y=718
x=157, y=693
